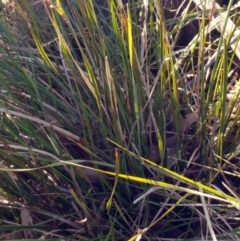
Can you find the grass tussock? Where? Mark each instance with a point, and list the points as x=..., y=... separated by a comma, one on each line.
x=116, y=125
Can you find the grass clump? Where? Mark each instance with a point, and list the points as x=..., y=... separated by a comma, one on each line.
x=115, y=127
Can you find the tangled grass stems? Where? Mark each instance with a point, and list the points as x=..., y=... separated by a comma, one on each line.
x=114, y=129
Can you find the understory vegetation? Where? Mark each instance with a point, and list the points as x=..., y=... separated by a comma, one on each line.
x=119, y=121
